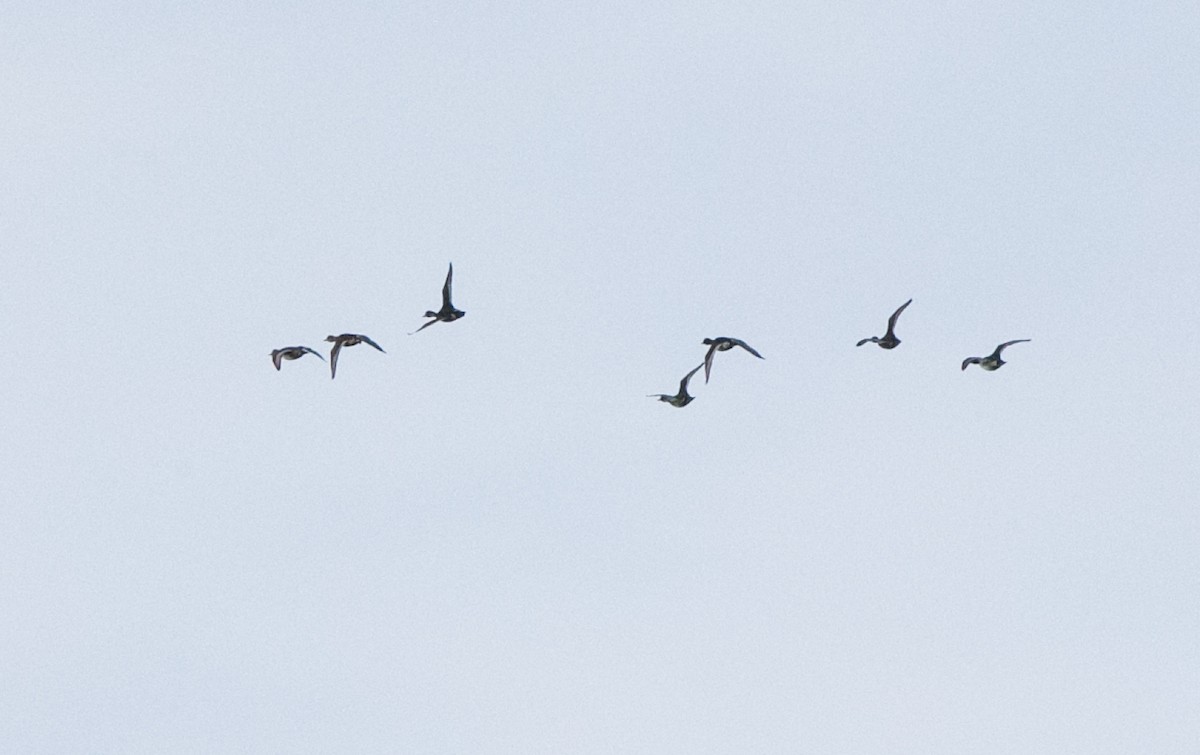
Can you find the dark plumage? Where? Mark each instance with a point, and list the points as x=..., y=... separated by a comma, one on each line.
x=724, y=343
x=291, y=352
x=347, y=340
x=682, y=398
x=447, y=313
x=992, y=361
x=889, y=339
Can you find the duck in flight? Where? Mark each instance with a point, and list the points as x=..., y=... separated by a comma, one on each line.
x=682, y=398
x=447, y=313
x=291, y=352
x=346, y=339
x=889, y=340
x=723, y=344
x=992, y=361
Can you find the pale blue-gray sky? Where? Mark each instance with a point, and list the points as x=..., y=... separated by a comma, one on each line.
x=489, y=539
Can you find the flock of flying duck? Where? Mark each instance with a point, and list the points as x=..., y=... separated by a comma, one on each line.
x=888, y=340
x=448, y=313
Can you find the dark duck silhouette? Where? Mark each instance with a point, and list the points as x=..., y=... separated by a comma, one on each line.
x=723, y=344
x=447, y=313
x=992, y=361
x=889, y=340
x=679, y=399
x=347, y=340
x=291, y=352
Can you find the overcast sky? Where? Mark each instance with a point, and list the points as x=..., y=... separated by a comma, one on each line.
x=489, y=539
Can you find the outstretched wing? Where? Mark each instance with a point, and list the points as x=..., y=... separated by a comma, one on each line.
x=317, y=354
x=746, y=346
x=446, y=288
x=372, y=343
x=277, y=358
x=426, y=325
x=896, y=315
x=1006, y=344
x=333, y=355
x=708, y=360
x=684, y=383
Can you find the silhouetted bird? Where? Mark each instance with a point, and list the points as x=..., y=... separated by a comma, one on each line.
x=992, y=361
x=347, y=340
x=889, y=340
x=679, y=399
x=447, y=313
x=722, y=344
x=292, y=352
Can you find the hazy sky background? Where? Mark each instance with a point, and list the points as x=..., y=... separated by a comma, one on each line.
x=489, y=539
